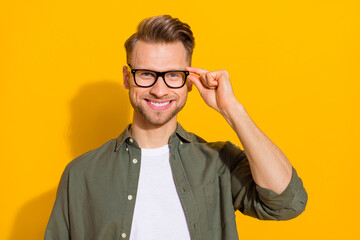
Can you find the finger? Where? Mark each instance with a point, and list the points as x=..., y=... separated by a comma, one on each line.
x=209, y=79
x=197, y=71
x=197, y=82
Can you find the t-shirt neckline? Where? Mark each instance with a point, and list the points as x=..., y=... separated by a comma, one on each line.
x=155, y=151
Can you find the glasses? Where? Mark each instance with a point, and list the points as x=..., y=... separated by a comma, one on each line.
x=147, y=78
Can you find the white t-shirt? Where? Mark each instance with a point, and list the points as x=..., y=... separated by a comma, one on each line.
x=158, y=211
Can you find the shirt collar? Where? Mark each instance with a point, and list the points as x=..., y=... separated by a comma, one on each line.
x=122, y=137
x=180, y=133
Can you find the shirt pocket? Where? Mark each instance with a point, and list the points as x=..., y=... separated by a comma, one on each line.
x=219, y=204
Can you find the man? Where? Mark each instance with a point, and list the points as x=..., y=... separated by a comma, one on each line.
x=158, y=181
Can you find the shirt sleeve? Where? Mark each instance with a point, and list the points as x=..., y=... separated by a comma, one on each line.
x=58, y=225
x=259, y=202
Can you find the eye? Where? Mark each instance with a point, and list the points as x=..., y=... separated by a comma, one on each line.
x=145, y=74
x=174, y=75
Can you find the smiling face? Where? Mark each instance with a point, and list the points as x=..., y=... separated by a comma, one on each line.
x=156, y=105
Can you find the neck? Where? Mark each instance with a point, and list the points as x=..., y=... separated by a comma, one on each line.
x=149, y=135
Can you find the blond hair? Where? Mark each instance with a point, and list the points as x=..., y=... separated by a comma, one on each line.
x=162, y=29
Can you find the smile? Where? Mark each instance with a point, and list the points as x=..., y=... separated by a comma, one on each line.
x=159, y=104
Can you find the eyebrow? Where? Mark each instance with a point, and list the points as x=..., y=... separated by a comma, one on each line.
x=173, y=69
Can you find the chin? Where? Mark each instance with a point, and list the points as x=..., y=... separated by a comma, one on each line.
x=158, y=121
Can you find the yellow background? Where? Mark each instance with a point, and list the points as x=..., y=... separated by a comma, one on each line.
x=294, y=65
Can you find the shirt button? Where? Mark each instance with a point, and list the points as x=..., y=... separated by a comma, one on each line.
x=131, y=140
x=181, y=143
x=130, y=198
x=134, y=160
x=126, y=149
x=123, y=235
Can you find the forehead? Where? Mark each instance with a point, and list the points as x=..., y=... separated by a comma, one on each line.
x=159, y=56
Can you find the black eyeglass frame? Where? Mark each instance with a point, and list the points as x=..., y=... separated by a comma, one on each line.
x=159, y=74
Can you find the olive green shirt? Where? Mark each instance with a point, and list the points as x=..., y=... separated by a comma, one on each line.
x=213, y=180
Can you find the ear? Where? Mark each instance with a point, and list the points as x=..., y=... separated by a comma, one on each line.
x=189, y=85
x=126, y=77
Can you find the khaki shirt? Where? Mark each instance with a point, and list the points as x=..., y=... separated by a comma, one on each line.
x=97, y=192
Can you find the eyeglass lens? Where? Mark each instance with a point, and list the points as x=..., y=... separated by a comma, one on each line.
x=147, y=78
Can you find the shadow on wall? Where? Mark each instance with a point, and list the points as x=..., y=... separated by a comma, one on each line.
x=99, y=112
x=31, y=221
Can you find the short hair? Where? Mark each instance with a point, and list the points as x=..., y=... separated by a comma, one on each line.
x=162, y=29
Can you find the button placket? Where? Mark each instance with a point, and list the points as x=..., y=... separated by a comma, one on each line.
x=134, y=156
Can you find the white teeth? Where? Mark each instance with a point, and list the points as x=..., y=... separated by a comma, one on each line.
x=160, y=104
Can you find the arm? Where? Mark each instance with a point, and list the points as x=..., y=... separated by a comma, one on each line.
x=258, y=202
x=269, y=166
x=59, y=226
x=264, y=183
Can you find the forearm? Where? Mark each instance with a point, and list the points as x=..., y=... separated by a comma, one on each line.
x=269, y=166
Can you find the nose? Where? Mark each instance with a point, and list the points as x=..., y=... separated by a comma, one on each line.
x=159, y=89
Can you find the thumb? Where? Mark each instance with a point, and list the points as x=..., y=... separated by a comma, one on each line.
x=197, y=82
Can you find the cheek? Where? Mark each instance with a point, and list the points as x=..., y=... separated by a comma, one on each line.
x=132, y=94
x=135, y=93
x=183, y=94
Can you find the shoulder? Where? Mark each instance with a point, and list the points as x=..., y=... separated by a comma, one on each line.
x=224, y=149
x=215, y=145
x=93, y=158
x=224, y=156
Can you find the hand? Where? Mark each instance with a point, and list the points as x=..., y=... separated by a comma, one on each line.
x=214, y=87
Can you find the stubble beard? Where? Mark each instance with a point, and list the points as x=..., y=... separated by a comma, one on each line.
x=156, y=118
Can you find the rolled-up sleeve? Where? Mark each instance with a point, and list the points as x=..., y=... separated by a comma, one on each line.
x=259, y=202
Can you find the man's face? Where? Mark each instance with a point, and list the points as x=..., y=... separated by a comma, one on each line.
x=158, y=104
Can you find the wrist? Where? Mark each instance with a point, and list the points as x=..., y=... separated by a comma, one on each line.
x=232, y=112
